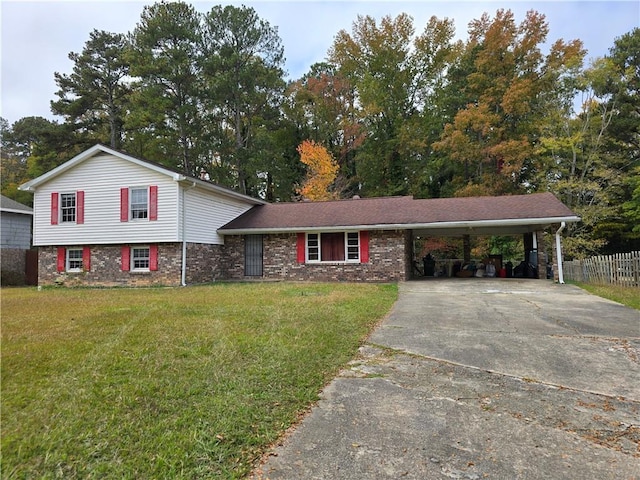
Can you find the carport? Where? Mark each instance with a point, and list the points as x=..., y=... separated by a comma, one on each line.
x=529, y=216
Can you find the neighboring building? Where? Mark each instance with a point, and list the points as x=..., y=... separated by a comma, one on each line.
x=15, y=240
x=106, y=218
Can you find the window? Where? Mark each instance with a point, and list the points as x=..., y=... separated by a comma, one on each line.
x=140, y=258
x=139, y=203
x=68, y=207
x=74, y=260
x=333, y=247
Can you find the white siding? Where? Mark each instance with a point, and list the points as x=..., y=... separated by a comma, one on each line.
x=101, y=178
x=206, y=212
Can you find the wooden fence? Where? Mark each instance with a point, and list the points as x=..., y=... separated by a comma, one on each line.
x=619, y=269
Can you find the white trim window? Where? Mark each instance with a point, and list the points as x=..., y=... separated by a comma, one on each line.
x=74, y=260
x=139, y=203
x=140, y=259
x=67, y=208
x=340, y=247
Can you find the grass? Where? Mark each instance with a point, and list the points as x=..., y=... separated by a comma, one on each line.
x=169, y=383
x=629, y=296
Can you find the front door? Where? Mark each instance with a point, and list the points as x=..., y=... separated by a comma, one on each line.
x=253, y=255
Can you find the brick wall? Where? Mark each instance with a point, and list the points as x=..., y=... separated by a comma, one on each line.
x=389, y=254
x=106, y=268
x=204, y=263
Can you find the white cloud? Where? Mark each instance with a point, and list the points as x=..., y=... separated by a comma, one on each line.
x=37, y=36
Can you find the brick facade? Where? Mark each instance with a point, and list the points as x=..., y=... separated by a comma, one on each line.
x=389, y=260
x=106, y=268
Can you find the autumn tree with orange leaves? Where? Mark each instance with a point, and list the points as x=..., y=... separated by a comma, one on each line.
x=322, y=170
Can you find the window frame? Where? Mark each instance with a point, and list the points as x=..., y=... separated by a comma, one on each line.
x=133, y=259
x=136, y=216
x=68, y=260
x=68, y=214
x=352, y=251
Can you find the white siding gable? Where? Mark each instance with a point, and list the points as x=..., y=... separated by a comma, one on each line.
x=101, y=177
x=206, y=212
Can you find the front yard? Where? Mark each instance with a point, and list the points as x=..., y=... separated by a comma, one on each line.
x=169, y=383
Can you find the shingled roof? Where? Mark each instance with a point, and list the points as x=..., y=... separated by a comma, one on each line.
x=402, y=213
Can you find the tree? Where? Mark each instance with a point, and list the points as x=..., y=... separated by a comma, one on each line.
x=493, y=136
x=322, y=106
x=394, y=74
x=95, y=95
x=165, y=122
x=242, y=66
x=321, y=171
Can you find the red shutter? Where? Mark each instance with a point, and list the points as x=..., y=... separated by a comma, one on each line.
x=153, y=202
x=153, y=257
x=80, y=206
x=62, y=259
x=126, y=258
x=364, y=246
x=301, y=247
x=54, y=208
x=124, y=204
x=86, y=259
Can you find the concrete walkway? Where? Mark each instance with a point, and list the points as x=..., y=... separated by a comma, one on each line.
x=480, y=378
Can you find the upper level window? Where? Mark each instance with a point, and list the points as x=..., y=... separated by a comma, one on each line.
x=68, y=207
x=333, y=247
x=139, y=203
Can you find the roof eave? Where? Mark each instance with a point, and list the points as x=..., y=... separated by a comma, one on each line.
x=470, y=224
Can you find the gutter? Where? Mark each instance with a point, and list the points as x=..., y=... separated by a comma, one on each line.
x=402, y=226
x=183, y=273
x=559, y=253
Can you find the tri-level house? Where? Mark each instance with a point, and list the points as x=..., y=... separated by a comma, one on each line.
x=107, y=218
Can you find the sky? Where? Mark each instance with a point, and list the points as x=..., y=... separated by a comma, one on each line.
x=37, y=37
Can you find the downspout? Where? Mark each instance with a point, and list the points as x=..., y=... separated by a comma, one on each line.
x=183, y=274
x=559, y=253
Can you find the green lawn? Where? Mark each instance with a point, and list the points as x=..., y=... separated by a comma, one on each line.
x=629, y=296
x=169, y=383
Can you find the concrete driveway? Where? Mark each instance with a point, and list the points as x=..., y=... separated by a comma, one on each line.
x=480, y=378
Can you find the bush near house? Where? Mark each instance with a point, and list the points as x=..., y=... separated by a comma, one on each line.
x=169, y=383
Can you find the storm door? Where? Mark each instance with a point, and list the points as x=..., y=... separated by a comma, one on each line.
x=253, y=255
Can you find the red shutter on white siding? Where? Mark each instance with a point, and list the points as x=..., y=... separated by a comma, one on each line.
x=153, y=202
x=62, y=259
x=124, y=204
x=86, y=259
x=153, y=257
x=125, y=258
x=79, y=206
x=54, y=208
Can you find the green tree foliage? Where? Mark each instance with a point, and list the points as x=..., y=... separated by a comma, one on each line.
x=165, y=118
x=93, y=99
x=393, y=74
x=242, y=64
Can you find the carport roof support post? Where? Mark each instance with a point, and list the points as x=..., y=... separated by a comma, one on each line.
x=559, y=253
